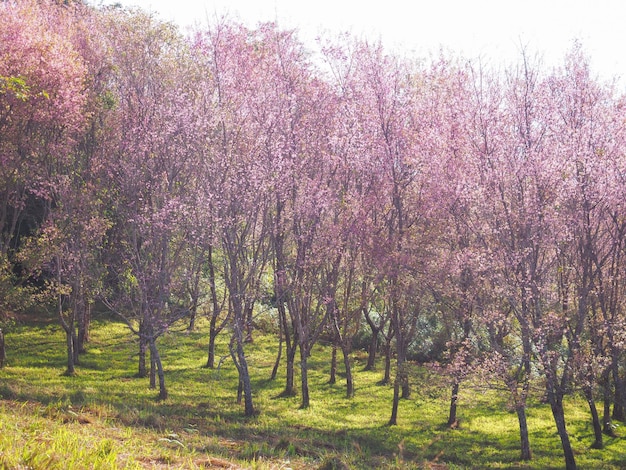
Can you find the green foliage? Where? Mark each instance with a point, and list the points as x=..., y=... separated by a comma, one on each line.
x=104, y=417
x=16, y=86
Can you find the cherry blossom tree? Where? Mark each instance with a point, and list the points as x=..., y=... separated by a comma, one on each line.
x=150, y=165
x=42, y=99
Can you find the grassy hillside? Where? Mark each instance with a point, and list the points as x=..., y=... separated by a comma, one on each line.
x=105, y=418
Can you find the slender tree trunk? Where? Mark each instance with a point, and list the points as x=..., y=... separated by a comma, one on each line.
x=215, y=311
x=290, y=387
x=454, y=398
x=396, y=400
x=193, y=313
x=373, y=346
x=348, y=366
x=526, y=453
x=607, y=425
x=387, y=374
x=371, y=352
x=291, y=346
x=248, y=323
x=279, y=354
x=211, y=350
x=597, y=427
x=304, y=377
x=239, y=392
x=406, y=386
x=68, y=327
x=143, y=346
x=618, y=405
x=69, y=338
x=75, y=345
x=333, y=366
x=239, y=357
x=154, y=355
x=245, y=381
x=84, y=321
x=153, y=371
x=556, y=405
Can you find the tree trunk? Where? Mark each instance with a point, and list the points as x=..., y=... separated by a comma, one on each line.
x=211, y=354
x=75, y=346
x=215, y=311
x=597, y=427
x=84, y=321
x=373, y=346
x=406, y=386
x=239, y=392
x=304, y=377
x=556, y=405
x=69, y=339
x=153, y=371
x=193, y=313
x=279, y=354
x=249, y=309
x=523, y=432
x=396, y=400
x=618, y=405
x=333, y=366
x=143, y=346
x=607, y=425
x=348, y=366
x=454, y=398
x=239, y=357
x=245, y=380
x=371, y=352
x=387, y=374
x=154, y=356
x=290, y=348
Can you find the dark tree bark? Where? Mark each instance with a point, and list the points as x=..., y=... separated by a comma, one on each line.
x=333, y=366
x=372, y=349
x=597, y=426
x=143, y=347
x=279, y=353
x=215, y=326
x=454, y=398
x=526, y=453
x=607, y=425
x=290, y=388
x=239, y=357
x=556, y=405
x=211, y=350
x=69, y=339
x=387, y=374
x=84, y=322
x=154, y=355
x=153, y=371
x=304, y=371
x=249, y=308
x=348, y=366
x=618, y=398
x=396, y=400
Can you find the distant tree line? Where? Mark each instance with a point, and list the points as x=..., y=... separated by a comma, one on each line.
x=475, y=215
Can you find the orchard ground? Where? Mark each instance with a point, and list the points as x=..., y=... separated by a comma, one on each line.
x=105, y=417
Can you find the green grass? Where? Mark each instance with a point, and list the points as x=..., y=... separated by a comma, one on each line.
x=105, y=417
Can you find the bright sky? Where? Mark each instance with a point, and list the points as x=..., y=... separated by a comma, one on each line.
x=493, y=30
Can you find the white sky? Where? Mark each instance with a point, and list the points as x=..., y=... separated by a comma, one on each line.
x=493, y=30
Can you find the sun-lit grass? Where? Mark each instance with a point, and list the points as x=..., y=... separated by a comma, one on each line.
x=105, y=417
